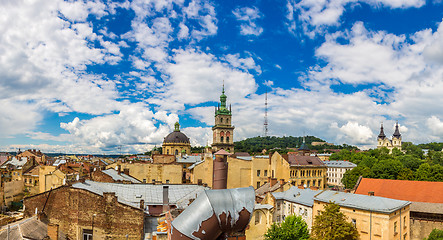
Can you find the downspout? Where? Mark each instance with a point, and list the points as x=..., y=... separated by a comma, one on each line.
x=400, y=224
x=370, y=225
x=215, y=212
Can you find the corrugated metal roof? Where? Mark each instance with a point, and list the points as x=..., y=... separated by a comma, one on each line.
x=340, y=163
x=249, y=158
x=195, y=164
x=297, y=195
x=16, y=162
x=363, y=202
x=131, y=194
x=29, y=228
x=263, y=206
x=119, y=177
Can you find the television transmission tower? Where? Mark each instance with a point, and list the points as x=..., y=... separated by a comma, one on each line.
x=265, y=124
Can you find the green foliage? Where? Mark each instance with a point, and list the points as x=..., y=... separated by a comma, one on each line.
x=436, y=234
x=292, y=228
x=386, y=169
x=350, y=177
x=331, y=224
x=282, y=144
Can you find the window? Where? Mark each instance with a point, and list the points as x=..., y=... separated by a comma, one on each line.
x=265, y=173
x=319, y=183
x=258, y=184
x=227, y=139
x=167, y=180
x=258, y=173
x=144, y=180
x=153, y=180
x=176, y=151
x=221, y=139
x=404, y=236
x=257, y=218
x=404, y=222
x=395, y=228
x=167, y=151
x=87, y=234
x=313, y=182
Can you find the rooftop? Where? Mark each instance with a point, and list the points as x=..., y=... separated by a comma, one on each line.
x=131, y=194
x=297, y=195
x=188, y=159
x=29, y=228
x=119, y=177
x=363, y=202
x=414, y=191
x=340, y=163
x=298, y=160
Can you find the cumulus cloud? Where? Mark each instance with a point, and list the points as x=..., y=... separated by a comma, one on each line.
x=356, y=133
x=314, y=17
x=248, y=18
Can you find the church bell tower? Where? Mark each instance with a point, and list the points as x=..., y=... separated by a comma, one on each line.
x=223, y=131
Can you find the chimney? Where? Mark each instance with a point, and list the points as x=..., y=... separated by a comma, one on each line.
x=269, y=180
x=53, y=231
x=142, y=204
x=165, y=198
x=282, y=181
x=301, y=187
x=119, y=169
x=220, y=171
x=273, y=181
x=126, y=171
x=313, y=188
x=371, y=193
x=82, y=180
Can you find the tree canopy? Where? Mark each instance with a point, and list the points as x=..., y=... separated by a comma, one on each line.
x=331, y=224
x=292, y=228
x=436, y=234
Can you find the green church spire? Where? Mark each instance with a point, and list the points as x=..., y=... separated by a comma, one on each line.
x=222, y=107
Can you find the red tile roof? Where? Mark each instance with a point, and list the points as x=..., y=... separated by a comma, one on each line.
x=414, y=191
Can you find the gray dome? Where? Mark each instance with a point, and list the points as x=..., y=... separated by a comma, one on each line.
x=176, y=137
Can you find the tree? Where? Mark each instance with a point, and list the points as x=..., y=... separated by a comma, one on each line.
x=435, y=235
x=293, y=227
x=331, y=224
x=350, y=177
x=386, y=169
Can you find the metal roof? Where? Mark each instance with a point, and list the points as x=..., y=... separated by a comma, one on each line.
x=29, y=228
x=188, y=159
x=249, y=158
x=131, y=194
x=119, y=177
x=16, y=162
x=363, y=202
x=340, y=164
x=297, y=195
x=263, y=206
x=194, y=165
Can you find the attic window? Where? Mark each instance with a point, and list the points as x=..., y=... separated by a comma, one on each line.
x=309, y=161
x=138, y=196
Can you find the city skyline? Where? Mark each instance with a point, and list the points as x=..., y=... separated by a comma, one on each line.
x=94, y=77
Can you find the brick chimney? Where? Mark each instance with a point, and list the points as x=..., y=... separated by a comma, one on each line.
x=301, y=187
x=273, y=181
x=269, y=180
x=371, y=193
x=119, y=169
x=53, y=231
x=126, y=171
x=282, y=181
x=313, y=188
x=165, y=198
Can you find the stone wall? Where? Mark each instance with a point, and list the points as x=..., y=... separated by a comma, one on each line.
x=75, y=210
x=421, y=229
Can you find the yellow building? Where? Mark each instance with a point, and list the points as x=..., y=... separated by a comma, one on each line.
x=31, y=180
x=153, y=172
x=374, y=217
x=307, y=171
x=50, y=177
x=260, y=222
x=176, y=143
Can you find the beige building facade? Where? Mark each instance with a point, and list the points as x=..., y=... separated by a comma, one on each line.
x=383, y=141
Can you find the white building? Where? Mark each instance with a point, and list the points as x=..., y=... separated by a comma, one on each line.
x=294, y=201
x=335, y=171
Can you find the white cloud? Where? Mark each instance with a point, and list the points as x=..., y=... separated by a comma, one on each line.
x=356, y=133
x=314, y=16
x=248, y=17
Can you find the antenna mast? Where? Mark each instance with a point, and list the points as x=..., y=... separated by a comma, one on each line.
x=265, y=124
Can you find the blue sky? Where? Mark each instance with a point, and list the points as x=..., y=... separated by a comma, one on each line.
x=90, y=76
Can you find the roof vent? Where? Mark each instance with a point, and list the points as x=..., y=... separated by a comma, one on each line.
x=138, y=196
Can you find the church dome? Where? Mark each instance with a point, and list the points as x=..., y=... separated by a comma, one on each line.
x=176, y=136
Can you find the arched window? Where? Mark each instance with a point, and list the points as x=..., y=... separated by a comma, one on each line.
x=227, y=139
x=221, y=120
x=221, y=139
x=167, y=151
x=222, y=134
x=176, y=151
x=228, y=134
